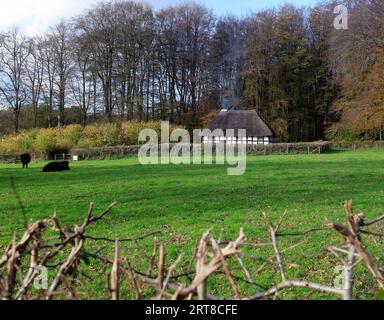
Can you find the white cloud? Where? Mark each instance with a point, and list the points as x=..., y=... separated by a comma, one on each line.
x=36, y=16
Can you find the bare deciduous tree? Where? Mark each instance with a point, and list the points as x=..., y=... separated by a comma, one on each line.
x=35, y=73
x=15, y=50
x=61, y=41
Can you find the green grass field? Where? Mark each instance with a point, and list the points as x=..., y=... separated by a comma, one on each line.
x=184, y=201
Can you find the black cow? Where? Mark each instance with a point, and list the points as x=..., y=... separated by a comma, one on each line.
x=56, y=166
x=25, y=159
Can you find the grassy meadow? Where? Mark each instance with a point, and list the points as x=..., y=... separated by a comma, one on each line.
x=184, y=201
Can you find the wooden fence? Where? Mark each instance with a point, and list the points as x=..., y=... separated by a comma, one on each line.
x=118, y=152
x=106, y=153
x=62, y=157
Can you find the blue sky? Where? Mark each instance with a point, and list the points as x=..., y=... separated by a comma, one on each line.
x=35, y=16
x=239, y=7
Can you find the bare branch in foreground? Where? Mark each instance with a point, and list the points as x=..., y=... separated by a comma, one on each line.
x=64, y=253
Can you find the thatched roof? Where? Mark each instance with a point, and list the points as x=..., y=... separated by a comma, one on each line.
x=241, y=119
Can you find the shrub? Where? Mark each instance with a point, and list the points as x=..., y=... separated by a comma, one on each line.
x=73, y=133
x=111, y=134
x=130, y=132
x=339, y=133
x=8, y=146
x=17, y=144
x=25, y=141
x=45, y=142
x=92, y=137
x=67, y=137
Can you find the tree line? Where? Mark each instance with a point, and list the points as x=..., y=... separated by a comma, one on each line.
x=122, y=61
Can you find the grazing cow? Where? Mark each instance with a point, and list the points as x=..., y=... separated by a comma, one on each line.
x=56, y=166
x=25, y=159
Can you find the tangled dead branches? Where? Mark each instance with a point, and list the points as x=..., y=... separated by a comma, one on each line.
x=23, y=260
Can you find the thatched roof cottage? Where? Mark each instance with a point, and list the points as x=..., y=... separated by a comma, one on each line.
x=258, y=132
